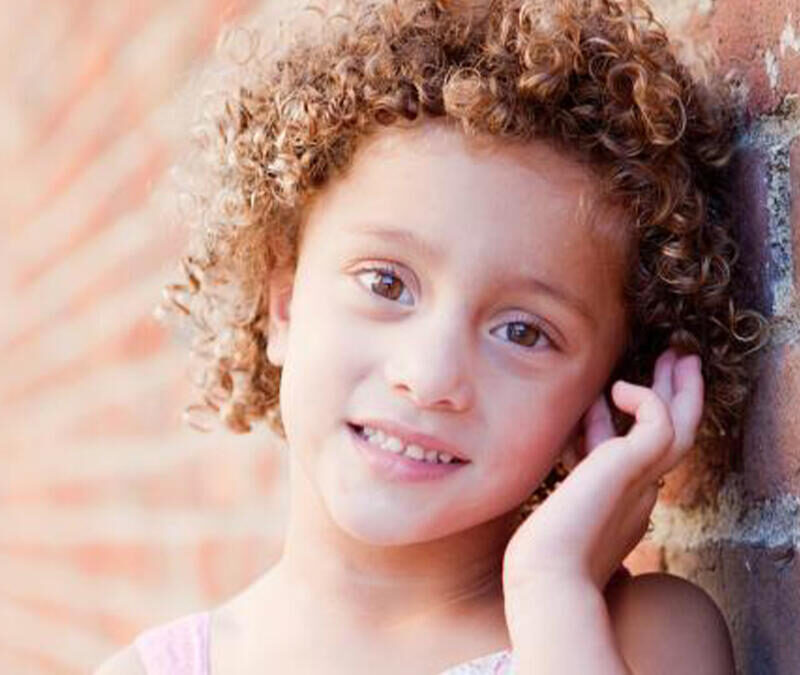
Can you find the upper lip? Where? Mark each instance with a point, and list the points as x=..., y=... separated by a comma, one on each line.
x=409, y=435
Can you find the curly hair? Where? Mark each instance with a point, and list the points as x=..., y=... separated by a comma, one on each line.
x=598, y=79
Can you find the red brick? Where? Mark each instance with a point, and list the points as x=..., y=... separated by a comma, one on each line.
x=770, y=460
x=115, y=628
x=118, y=629
x=266, y=470
x=142, y=339
x=95, y=65
x=141, y=563
x=794, y=173
x=151, y=413
x=143, y=94
x=217, y=14
x=110, y=420
x=132, y=191
x=155, y=412
x=75, y=493
x=125, y=116
x=44, y=660
x=137, y=266
x=751, y=220
x=741, y=36
x=215, y=482
x=54, y=492
x=225, y=566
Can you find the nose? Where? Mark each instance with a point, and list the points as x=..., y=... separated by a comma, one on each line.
x=431, y=364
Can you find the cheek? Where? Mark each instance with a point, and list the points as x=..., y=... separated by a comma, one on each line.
x=320, y=363
x=530, y=437
x=533, y=445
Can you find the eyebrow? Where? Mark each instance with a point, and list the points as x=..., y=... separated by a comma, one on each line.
x=432, y=253
x=403, y=238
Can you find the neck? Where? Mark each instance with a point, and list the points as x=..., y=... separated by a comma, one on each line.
x=385, y=587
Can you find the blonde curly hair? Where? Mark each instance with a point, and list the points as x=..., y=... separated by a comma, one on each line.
x=598, y=79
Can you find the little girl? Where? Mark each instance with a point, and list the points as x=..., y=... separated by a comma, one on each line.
x=476, y=267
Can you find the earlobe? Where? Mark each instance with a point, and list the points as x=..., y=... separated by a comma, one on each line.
x=281, y=285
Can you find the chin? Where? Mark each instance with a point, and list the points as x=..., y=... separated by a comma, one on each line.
x=383, y=526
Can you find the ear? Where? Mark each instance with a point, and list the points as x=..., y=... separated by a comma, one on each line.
x=281, y=285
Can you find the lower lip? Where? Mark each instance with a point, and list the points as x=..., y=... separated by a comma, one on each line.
x=398, y=467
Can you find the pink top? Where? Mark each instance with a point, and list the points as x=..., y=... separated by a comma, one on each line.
x=180, y=647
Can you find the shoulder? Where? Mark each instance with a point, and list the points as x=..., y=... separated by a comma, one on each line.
x=178, y=647
x=124, y=662
x=665, y=623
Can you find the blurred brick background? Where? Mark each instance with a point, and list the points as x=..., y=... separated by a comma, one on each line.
x=113, y=515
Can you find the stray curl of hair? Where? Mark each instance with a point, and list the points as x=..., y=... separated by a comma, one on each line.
x=596, y=78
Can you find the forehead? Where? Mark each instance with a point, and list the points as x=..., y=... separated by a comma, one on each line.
x=492, y=203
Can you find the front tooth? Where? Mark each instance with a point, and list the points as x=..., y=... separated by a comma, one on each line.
x=415, y=452
x=393, y=444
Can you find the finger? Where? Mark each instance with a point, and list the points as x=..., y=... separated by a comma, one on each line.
x=687, y=406
x=662, y=377
x=652, y=435
x=598, y=424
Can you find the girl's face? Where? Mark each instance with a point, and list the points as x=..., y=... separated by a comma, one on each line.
x=458, y=293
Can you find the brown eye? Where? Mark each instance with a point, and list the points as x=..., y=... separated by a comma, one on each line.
x=524, y=333
x=385, y=282
x=388, y=285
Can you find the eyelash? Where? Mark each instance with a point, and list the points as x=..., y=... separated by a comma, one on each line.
x=389, y=270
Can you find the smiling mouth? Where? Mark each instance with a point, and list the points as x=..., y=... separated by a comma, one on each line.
x=411, y=450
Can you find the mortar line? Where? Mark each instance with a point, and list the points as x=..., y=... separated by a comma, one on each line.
x=765, y=523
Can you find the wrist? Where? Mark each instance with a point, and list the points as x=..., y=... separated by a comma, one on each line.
x=543, y=581
x=562, y=626
x=547, y=598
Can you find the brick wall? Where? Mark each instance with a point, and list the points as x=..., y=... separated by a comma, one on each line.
x=742, y=549
x=114, y=516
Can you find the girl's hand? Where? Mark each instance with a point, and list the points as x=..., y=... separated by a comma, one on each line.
x=583, y=531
